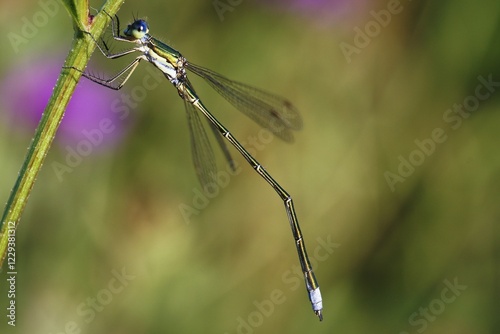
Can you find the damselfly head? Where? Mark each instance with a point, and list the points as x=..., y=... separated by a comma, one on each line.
x=137, y=29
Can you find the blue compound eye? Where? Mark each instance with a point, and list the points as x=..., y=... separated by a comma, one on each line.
x=141, y=26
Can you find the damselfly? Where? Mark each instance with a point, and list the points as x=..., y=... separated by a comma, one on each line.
x=274, y=113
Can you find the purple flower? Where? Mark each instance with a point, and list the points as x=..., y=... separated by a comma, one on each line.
x=92, y=114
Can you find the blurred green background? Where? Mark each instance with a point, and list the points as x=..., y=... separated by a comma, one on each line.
x=396, y=190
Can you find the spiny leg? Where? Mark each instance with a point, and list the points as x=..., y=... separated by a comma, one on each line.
x=116, y=36
x=106, y=52
x=127, y=71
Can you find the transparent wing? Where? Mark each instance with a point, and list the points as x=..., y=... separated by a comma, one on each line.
x=203, y=156
x=223, y=146
x=269, y=111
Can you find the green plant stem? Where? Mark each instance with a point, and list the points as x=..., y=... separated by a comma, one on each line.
x=78, y=57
